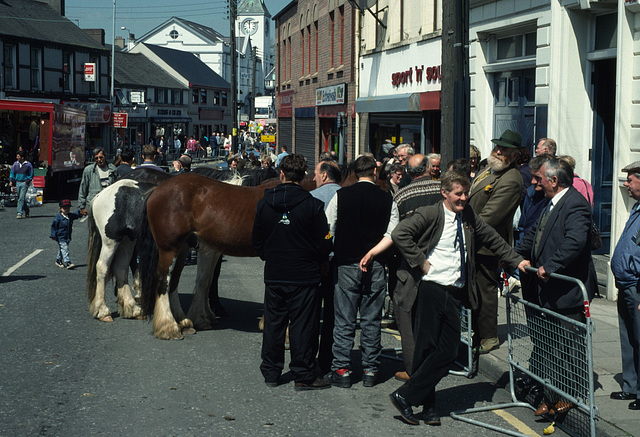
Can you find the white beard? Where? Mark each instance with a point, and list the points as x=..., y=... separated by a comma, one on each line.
x=496, y=164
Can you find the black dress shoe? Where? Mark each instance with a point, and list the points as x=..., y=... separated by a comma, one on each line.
x=318, y=384
x=635, y=405
x=431, y=417
x=404, y=408
x=622, y=396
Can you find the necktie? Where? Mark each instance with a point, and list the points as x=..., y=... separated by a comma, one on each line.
x=543, y=222
x=463, y=266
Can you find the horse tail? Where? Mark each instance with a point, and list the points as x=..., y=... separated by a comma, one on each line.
x=148, y=252
x=93, y=254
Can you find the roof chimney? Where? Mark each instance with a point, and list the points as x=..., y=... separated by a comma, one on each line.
x=57, y=5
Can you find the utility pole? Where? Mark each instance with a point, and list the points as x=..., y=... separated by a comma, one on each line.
x=233, y=13
x=252, y=110
x=454, y=101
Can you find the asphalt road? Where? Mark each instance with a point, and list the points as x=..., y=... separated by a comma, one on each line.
x=63, y=373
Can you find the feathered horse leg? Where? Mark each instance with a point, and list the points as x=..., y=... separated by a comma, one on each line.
x=129, y=309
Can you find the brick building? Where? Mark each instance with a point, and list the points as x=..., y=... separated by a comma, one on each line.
x=315, y=78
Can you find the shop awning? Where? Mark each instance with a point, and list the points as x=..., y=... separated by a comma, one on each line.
x=409, y=102
x=171, y=120
x=395, y=103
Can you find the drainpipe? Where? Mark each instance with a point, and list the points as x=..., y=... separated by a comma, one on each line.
x=356, y=146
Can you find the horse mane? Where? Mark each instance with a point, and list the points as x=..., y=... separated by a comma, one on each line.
x=251, y=177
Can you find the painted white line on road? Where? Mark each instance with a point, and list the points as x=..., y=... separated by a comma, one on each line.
x=24, y=260
x=516, y=423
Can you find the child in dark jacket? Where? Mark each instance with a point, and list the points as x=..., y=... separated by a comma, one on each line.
x=61, y=232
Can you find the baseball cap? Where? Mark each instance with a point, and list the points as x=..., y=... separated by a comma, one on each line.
x=65, y=202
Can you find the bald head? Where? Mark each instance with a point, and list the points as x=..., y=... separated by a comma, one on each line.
x=417, y=165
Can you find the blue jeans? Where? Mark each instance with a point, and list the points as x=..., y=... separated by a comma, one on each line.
x=356, y=290
x=21, y=190
x=63, y=252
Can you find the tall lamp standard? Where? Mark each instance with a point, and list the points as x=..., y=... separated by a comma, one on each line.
x=113, y=59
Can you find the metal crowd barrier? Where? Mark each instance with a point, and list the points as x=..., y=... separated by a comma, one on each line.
x=555, y=352
x=469, y=368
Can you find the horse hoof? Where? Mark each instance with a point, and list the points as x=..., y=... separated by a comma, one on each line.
x=140, y=317
x=106, y=318
x=204, y=327
x=188, y=331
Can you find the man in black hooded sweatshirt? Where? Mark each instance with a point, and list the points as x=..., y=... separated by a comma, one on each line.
x=291, y=234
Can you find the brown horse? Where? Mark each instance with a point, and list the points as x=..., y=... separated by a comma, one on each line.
x=221, y=216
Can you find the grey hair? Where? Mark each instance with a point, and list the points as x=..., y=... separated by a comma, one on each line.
x=410, y=150
x=561, y=170
x=537, y=162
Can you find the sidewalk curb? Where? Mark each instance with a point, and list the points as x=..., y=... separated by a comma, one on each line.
x=496, y=369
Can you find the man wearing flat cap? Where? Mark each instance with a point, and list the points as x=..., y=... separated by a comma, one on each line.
x=494, y=196
x=624, y=265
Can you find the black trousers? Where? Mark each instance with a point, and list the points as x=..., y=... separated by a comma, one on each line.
x=296, y=306
x=437, y=337
x=325, y=353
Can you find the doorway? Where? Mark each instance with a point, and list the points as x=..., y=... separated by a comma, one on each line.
x=603, y=105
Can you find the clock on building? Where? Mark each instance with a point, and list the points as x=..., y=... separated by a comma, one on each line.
x=249, y=26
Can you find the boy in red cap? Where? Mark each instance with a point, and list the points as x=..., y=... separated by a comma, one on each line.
x=61, y=232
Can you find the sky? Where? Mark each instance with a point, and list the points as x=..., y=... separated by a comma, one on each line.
x=141, y=16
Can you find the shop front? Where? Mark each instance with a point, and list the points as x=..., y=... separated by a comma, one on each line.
x=332, y=109
x=399, y=101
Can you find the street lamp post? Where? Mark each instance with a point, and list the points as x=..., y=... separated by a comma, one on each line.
x=113, y=59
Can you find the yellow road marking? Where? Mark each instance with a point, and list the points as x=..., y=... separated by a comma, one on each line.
x=516, y=423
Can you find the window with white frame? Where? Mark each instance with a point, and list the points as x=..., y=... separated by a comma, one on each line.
x=9, y=66
x=516, y=46
x=36, y=70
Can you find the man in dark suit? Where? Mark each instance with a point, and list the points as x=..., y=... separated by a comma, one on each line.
x=559, y=243
x=494, y=196
x=438, y=243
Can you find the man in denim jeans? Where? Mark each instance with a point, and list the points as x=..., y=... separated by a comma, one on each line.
x=361, y=218
x=21, y=176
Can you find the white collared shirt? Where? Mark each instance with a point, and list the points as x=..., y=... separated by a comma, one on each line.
x=445, y=257
x=555, y=199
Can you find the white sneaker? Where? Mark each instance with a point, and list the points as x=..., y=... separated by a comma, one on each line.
x=513, y=284
x=70, y=266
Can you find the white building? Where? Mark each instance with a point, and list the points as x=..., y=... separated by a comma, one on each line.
x=399, y=76
x=567, y=70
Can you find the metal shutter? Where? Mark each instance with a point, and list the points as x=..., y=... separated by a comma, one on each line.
x=285, y=133
x=306, y=140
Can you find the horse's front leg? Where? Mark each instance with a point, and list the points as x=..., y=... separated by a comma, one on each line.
x=165, y=326
x=129, y=309
x=135, y=273
x=186, y=325
x=200, y=311
x=98, y=306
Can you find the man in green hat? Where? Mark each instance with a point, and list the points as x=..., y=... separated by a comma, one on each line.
x=494, y=196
